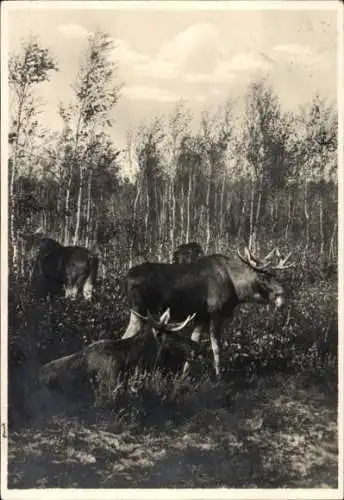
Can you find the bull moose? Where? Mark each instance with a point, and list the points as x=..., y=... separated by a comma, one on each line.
x=57, y=268
x=211, y=287
x=110, y=359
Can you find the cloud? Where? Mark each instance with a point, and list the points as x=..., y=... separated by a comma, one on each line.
x=195, y=55
x=297, y=54
x=73, y=30
x=227, y=70
x=198, y=41
x=294, y=49
x=192, y=39
x=157, y=69
x=124, y=54
x=195, y=50
x=149, y=93
x=221, y=74
x=217, y=91
x=140, y=64
x=245, y=62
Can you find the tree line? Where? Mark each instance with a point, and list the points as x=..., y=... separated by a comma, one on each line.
x=259, y=176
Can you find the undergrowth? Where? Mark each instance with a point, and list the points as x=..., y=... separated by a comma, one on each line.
x=300, y=338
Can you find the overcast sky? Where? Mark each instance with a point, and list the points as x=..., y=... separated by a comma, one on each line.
x=201, y=56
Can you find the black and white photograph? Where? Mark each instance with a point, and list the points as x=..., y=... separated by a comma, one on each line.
x=171, y=258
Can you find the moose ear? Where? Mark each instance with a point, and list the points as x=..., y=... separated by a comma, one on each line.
x=165, y=317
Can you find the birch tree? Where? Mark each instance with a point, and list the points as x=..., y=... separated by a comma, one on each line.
x=27, y=69
x=316, y=162
x=95, y=95
x=263, y=149
x=216, y=134
x=178, y=127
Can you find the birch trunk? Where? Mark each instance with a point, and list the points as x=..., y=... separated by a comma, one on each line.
x=66, y=208
x=305, y=209
x=156, y=217
x=332, y=252
x=147, y=218
x=181, y=213
x=78, y=209
x=88, y=209
x=163, y=213
x=200, y=233
x=287, y=227
x=187, y=236
x=161, y=224
x=222, y=197
x=256, y=222
x=133, y=233
x=11, y=194
x=242, y=218
x=321, y=228
x=173, y=218
x=69, y=184
x=207, y=240
x=251, y=243
x=214, y=221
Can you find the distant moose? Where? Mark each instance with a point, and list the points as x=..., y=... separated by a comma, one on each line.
x=188, y=253
x=71, y=270
x=211, y=287
x=114, y=360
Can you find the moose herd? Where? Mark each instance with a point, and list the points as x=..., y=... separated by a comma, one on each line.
x=196, y=292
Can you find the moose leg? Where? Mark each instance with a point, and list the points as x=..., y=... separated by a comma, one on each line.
x=215, y=340
x=196, y=335
x=134, y=326
x=71, y=291
x=88, y=289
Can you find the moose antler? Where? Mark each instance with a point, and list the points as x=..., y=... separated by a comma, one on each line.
x=270, y=255
x=165, y=317
x=266, y=263
x=252, y=261
x=267, y=259
x=179, y=326
x=163, y=322
x=282, y=262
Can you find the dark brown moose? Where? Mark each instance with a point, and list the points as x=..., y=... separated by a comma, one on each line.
x=106, y=360
x=71, y=270
x=187, y=253
x=211, y=287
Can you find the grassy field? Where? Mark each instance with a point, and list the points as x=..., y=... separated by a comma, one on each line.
x=272, y=422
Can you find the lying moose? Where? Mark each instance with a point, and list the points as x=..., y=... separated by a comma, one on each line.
x=113, y=361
